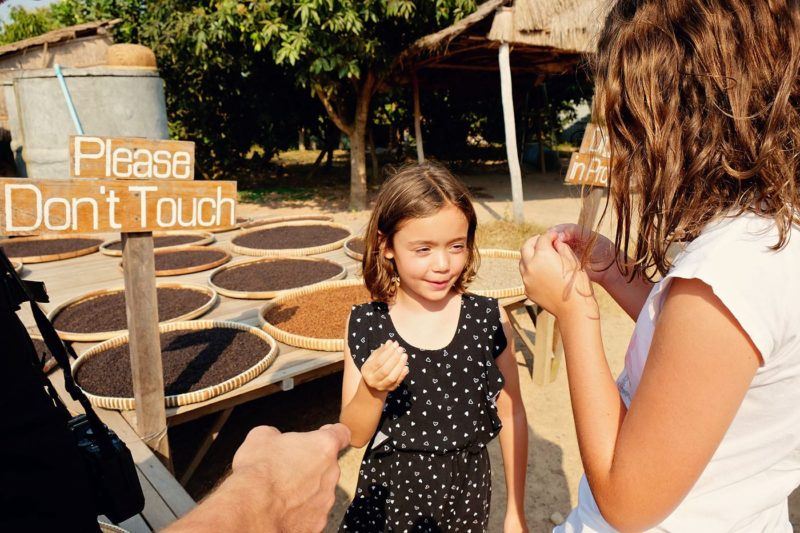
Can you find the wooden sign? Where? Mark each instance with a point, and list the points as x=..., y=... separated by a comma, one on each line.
x=98, y=206
x=589, y=165
x=130, y=158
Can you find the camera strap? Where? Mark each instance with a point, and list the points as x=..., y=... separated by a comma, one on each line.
x=19, y=291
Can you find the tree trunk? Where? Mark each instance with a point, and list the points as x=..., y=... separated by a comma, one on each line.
x=358, y=162
x=511, y=134
x=376, y=166
x=301, y=139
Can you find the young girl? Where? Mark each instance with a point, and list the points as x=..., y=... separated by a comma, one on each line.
x=701, y=432
x=430, y=376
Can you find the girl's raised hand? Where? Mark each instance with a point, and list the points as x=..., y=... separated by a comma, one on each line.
x=600, y=256
x=385, y=369
x=553, y=277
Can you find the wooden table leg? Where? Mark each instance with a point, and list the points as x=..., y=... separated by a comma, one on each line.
x=211, y=436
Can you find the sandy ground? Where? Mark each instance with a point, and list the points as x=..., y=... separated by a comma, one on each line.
x=554, y=466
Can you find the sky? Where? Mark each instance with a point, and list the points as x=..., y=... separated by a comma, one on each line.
x=6, y=7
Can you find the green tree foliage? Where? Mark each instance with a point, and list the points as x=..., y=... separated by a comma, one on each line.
x=343, y=51
x=23, y=24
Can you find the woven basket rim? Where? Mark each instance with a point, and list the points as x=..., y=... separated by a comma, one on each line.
x=213, y=298
x=208, y=238
x=238, y=225
x=56, y=257
x=192, y=269
x=349, y=252
x=302, y=341
x=310, y=250
x=176, y=400
x=260, y=222
x=502, y=292
x=267, y=295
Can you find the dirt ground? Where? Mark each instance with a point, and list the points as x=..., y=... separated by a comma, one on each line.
x=554, y=466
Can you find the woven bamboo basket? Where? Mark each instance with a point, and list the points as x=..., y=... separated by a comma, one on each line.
x=267, y=295
x=314, y=250
x=56, y=257
x=196, y=268
x=501, y=292
x=51, y=363
x=109, y=528
x=349, y=251
x=240, y=222
x=17, y=266
x=301, y=341
x=105, y=335
x=263, y=221
x=176, y=400
x=206, y=238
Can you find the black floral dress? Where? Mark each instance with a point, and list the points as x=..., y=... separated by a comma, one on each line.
x=427, y=467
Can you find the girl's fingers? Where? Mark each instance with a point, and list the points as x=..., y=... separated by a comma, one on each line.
x=394, y=374
x=395, y=354
x=568, y=257
x=546, y=241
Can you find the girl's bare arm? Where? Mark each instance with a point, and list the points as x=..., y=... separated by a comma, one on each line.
x=514, y=435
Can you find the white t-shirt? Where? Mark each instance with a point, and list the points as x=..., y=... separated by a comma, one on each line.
x=757, y=465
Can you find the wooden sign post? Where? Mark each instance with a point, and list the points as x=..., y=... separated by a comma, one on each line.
x=145, y=185
x=589, y=167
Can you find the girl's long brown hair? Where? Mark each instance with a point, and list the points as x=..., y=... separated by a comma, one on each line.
x=700, y=100
x=415, y=191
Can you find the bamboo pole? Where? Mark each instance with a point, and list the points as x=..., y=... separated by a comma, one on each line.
x=141, y=305
x=511, y=134
x=417, y=119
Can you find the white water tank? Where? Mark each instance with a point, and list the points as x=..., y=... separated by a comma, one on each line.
x=119, y=102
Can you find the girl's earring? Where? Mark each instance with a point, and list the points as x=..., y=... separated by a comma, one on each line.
x=396, y=280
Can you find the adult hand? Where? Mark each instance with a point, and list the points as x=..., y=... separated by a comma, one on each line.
x=298, y=471
x=553, y=277
x=385, y=368
x=596, y=251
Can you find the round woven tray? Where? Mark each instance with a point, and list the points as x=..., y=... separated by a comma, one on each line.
x=109, y=528
x=349, y=251
x=17, y=266
x=105, y=335
x=301, y=341
x=267, y=295
x=240, y=224
x=51, y=363
x=191, y=269
x=126, y=404
x=314, y=250
x=207, y=238
x=56, y=257
x=263, y=221
x=500, y=292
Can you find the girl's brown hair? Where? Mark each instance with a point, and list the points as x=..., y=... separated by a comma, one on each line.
x=700, y=100
x=415, y=191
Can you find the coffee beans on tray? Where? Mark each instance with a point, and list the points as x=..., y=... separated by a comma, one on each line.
x=41, y=247
x=275, y=274
x=291, y=237
x=107, y=312
x=192, y=360
x=357, y=245
x=322, y=314
x=179, y=259
x=162, y=241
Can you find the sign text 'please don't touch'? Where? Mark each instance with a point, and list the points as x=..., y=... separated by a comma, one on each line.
x=130, y=158
x=98, y=206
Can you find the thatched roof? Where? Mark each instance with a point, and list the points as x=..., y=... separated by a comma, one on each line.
x=62, y=34
x=570, y=25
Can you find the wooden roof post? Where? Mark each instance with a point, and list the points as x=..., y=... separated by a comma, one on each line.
x=417, y=119
x=511, y=133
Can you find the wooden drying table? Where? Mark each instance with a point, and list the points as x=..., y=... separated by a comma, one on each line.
x=166, y=499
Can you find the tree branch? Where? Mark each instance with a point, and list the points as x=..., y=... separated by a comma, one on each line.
x=346, y=128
